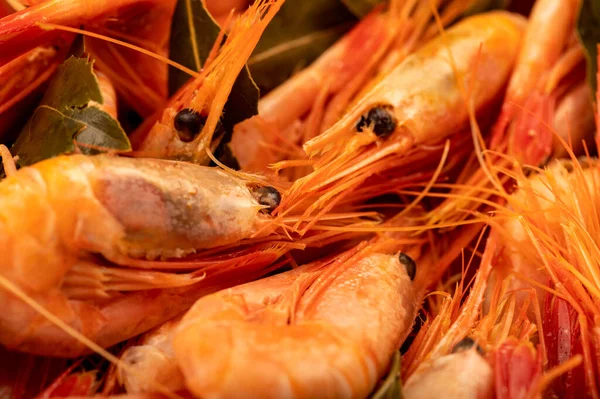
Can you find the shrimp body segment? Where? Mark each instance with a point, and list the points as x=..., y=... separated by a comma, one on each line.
x=299, y=334
x=60, y=214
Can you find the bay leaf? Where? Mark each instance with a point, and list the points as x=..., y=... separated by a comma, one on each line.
x=360, y=8
x=300, y=32
x=588, y=31
x=243, y=100
x=478, y=6
x=391, y=387
x=69, y=114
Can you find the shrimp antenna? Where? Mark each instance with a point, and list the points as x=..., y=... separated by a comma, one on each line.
x=51, y=26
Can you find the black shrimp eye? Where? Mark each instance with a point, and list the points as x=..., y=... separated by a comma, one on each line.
x=268, y=196
x=380, y=120
x=188, y=124
x=466, y=344
x=409, y=264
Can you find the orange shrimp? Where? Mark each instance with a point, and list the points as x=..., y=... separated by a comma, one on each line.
x=191, y=120
x=475, y=354
x=21, y=80
x=531, y=90
x=312, y=100
x=257, y=322
x=418, y=103
x=143, y=23
x=101, y=224
x=544, y=106
x=260, y=340
x=256, y=143
x=549, y=239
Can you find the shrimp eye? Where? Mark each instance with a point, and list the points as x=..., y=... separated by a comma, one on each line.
x=409, y=264
x=466, y=344
x=188, y=124
x=380, y=120
x=268, y=196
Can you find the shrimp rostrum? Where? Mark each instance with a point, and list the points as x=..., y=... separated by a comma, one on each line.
x=83, y=237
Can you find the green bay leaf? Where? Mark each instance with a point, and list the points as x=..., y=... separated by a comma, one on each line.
x=478, y=6
x=360, y=8
x=69, y=118
x=391, y=387
x=300, y=32
x=588, y=30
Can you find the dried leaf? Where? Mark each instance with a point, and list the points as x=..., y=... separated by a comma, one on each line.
x=360, y=8
x=69, y=115
x=478, y=6
x=588, y=29
x=391, y=386
x=300, y=32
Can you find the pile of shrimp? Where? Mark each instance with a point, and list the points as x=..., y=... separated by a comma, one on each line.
x=414, y=214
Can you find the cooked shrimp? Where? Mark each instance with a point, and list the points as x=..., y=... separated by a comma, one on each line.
x=287, y=336
x=256, y=142
x=531, y=89
x=255, y=323
x=416, y=104
x=548, y=239
x=143, y=23
x=191, y=120
x=66, y=211
x=314, y=99
x=544, y=82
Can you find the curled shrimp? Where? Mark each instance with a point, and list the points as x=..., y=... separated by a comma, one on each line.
x=102, y=225
x=416, y=104
x=545, y=111
x=296, y=341
x=476, y=355
x=275, y=318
